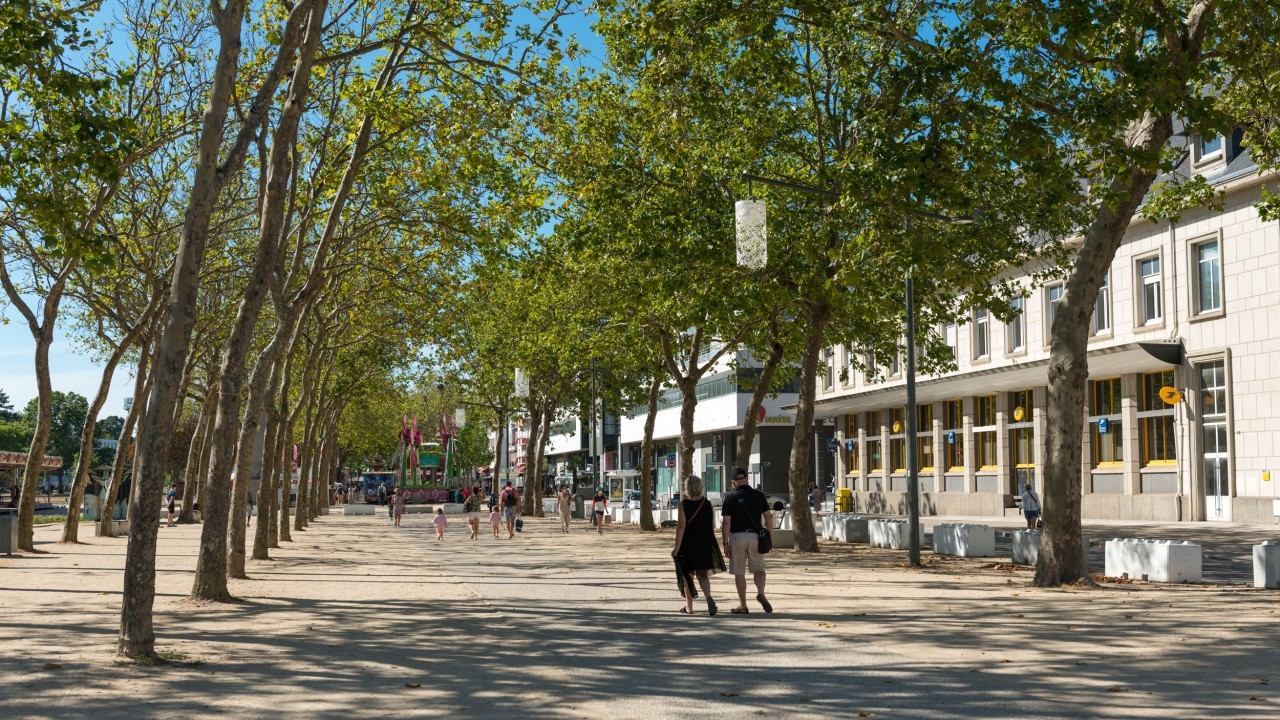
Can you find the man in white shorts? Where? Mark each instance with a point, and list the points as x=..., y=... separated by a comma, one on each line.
x=746, y=513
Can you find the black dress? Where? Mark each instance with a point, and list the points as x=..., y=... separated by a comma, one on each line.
x=698, y=548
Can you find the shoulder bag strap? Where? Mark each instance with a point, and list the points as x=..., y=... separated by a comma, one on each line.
x=695, y=512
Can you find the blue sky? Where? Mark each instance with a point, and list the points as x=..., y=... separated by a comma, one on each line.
x=74, y=372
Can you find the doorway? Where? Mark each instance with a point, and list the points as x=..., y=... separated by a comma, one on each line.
x=1214, y=455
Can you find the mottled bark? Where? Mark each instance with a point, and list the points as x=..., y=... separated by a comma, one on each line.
x=646, y=453
x=817, y=317
x=141, y=382
x=751, y=420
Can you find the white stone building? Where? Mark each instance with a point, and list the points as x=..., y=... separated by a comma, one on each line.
x=1192, y=305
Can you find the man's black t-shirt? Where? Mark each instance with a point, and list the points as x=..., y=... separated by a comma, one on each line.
x=743, y=507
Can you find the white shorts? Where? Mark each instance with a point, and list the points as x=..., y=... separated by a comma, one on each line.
x=473, y=517
x=745, y=553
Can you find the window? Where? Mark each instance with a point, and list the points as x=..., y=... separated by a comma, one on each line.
x=924, y=437
x=1054, y=294
x=1108, y=440
x=895, y=364
x=1207, y=147
x=851, y=434
x=1021, y=439
x=949, y=336
x=828, y=370
x=981, y=334
x=875, y=457
x=1208, y=279
x=954, y=424
x=1151, y=304
x=898, y=441
x=1102, y=308
x=1155, y=420
x=984, y=441
x=1016, y=331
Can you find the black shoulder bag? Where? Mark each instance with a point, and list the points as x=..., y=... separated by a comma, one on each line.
x=765, y=541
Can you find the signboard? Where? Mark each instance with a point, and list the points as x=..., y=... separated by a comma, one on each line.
x=1018, y=414
x=717, y=448
x=951, y=438
x=1170, y=395
x=897, y=426
x=671, y=463
x=832, y=445
x=850, y=445
x=1104, y=426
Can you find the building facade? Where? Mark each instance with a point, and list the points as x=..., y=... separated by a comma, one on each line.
x=1183, y=399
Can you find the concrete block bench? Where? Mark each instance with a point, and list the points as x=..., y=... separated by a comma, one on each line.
x=624, y=515
x=1154, y=560
x=784, y=539
x=848, y=528
x=964, y=540
x=891, y=534
x=1026, y=546
x=361, y=509
x=450, y=508
x=1266, y=565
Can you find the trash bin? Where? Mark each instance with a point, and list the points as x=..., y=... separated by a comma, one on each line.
x=844, y=500
x=8, y=530
x=579, y=507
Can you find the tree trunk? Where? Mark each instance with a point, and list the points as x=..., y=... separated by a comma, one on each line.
x=71, y=530
x=1061, y=559
x=194, y=475
x=39, y=442
x=286, y=484
x=544, y=434
x=802, y=439
x=140, y=385
x=750, y=422
x=211, y=566
x=688, y=406
x=530, y=469
x=137, y=634
x=646, y=454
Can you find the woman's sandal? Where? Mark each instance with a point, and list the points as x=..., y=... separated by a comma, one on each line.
x=711, y=607
x=684, y=611
x=740, y=611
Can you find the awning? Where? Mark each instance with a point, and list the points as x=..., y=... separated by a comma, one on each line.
x=622, y=473
x=1103, y=362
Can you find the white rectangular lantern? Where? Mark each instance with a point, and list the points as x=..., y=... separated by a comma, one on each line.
x=460, y=417
x=522, y=384
x=753, y=243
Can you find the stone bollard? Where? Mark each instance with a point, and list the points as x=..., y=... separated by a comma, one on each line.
x=1266, y=565
x=1154, y=560
x=1026, y=547
x=849, y=528
x=891, y=534
x=964, y=540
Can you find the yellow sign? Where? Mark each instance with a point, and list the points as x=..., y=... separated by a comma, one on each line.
x=897, y=426
x=1018, y=414
x=1170, y=395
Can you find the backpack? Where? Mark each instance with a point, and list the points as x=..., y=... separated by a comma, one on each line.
x=508, y=498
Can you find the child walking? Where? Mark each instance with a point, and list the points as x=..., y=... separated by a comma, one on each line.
x=495, y=519
x=440, y=522
x=397, y=504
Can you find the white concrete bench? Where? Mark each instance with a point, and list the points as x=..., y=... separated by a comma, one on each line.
x=1154, y=560
x=360, y=509
x=784, y=539
x=964, y=540
x=451, y=508
x=849, y=528
x=1026, y=547
x=1266, y=565
x=892, y=534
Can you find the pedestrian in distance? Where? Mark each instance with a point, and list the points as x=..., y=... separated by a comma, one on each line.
x=397, y=505
x=599, y=508
x=817, y=496
x=564, y=505
x=495, y=519
x=172, y=506
x=382, y=494
x=474, y=502
x=510, y=502
x=248, y=505
x=696, y=552
x=1030, y=506
x=441, y=522
x=746, y=516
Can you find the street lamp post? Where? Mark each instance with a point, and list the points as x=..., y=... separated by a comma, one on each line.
x=752, y=239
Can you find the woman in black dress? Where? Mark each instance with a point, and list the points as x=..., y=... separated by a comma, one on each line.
x=696, y=552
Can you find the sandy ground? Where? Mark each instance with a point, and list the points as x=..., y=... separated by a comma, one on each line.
x=356, y=619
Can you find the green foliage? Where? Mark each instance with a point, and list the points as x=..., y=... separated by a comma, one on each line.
x=60, y=130
x=69, y=410
x=15, y=435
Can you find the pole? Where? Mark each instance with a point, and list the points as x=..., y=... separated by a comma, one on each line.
x=913, y=461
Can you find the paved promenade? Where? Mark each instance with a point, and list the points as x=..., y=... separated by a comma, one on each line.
x=358, y=620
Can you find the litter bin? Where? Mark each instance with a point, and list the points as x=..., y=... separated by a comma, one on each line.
x=844, y=500
x=8, y=530
x=579, y=507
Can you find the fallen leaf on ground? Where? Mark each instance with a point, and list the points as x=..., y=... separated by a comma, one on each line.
x=824, y=624
x=413, y=685
x=1258, y=699
x=1116, y=689
x=729, y=694
x=863, y=713
x=1017, y=615
x=52, y=666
